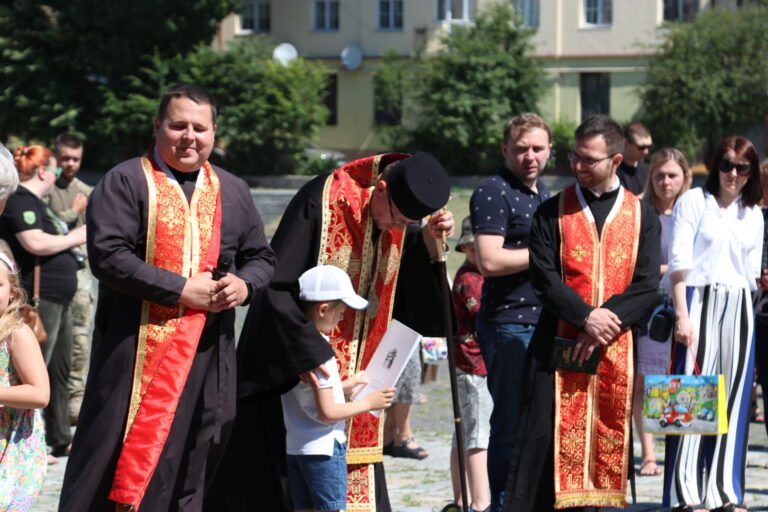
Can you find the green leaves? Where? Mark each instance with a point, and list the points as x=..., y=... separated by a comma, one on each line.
x=457, y=100
x=708, y=80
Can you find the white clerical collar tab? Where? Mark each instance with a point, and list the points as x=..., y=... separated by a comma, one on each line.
x=616, y=184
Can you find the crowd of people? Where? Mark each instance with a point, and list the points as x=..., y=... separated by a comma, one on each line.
x=552, y=308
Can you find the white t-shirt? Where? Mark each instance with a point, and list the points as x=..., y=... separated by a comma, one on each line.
x=305, y=433
x=714, y=245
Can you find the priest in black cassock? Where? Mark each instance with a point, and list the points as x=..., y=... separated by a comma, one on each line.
x=160, y=395
x=365, y=218
x=594, y=252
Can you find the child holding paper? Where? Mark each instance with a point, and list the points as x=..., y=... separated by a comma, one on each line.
x=314, y=418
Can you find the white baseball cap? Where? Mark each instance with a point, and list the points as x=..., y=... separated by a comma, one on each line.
x=327, y=282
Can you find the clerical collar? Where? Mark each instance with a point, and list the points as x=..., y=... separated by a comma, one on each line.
x=179, y=176
x=614, y=188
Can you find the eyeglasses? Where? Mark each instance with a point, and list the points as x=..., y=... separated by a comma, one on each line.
x=575, y=158
x=726, y=165
x=395, y=220
x=643, y=147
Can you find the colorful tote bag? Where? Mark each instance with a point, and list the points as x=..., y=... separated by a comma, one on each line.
x=685, y=404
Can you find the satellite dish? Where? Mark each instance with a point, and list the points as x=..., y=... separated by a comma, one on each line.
x=351, y=57
x=284, y=53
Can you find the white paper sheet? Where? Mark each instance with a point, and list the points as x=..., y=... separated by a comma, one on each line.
x=389, y=360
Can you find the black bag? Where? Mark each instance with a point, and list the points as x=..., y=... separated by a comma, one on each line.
x=662, y=321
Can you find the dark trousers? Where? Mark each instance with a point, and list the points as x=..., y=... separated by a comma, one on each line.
x=761, y=358
x=57, y=352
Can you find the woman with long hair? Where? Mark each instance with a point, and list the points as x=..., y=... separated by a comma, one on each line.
x=714, y=264
x=669, y=176
x=37, y=236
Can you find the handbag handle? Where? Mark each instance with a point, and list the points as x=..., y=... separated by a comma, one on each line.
x=696, y=369
x=36, y=284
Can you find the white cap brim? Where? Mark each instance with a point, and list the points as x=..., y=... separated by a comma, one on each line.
x=355, y=302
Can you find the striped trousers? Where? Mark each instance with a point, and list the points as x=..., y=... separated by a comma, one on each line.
x=723, y=343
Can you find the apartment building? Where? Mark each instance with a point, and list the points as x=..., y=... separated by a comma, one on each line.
x=595, y=52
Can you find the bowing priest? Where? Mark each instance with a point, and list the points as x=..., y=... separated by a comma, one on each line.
x=160, y=395
x=369, y=218
x=594, y=255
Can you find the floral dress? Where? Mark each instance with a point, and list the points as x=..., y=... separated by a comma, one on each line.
x=22, y=446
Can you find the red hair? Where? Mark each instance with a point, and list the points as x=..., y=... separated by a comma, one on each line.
x=29, y=158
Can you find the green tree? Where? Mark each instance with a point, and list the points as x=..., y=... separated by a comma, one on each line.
x=708, y=79
x=97, y=68
x=457, y=99
x=265, y=109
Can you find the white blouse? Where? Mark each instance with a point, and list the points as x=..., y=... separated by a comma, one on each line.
x=714, y=245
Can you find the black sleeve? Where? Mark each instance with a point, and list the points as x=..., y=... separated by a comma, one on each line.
x=632, y=304
x=23, y=213
x=418, y=301
x=544, y=254
x=277, y=342
x=116, y=235
x=254, y=258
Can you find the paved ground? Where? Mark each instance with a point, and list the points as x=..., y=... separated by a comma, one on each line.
x=424, y=486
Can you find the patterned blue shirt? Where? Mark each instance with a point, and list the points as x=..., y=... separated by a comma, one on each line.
x=502, y=205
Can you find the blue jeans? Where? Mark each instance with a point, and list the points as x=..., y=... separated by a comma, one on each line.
x=319, y=482
x=503, y=347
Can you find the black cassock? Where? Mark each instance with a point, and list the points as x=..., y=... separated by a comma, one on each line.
x=277, y=344
x=530, y=484
x=117, y=228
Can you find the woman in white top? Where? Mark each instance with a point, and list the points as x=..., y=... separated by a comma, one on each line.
x=669, y=176
x=714, y=263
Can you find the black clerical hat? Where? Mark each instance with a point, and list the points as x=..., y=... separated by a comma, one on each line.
x=418, y=185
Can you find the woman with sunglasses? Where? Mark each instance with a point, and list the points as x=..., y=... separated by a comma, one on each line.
x=37, y=235
x=714, y=263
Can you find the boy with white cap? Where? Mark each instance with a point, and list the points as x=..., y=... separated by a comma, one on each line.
x=314, y=418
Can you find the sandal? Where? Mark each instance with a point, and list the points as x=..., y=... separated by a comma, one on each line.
x=388, y=448
x=758, y=416
x=690, y=508
x=402, y=450
x=730, y=507
x=649, y=468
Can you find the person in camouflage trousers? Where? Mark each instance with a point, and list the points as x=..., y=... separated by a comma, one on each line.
x=69, y=198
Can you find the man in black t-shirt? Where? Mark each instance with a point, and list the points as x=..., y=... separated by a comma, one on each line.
x=633, y=170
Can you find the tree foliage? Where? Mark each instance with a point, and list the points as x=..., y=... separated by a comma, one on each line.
x=457, y=99
x=97, y=69
x=264, y=108
x=708, y=79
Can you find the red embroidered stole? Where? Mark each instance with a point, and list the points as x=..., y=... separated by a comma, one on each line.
x=346, y=242
x=183, y=238
x=592, y=412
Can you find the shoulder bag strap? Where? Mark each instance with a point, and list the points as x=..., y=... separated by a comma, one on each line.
x=36, y=284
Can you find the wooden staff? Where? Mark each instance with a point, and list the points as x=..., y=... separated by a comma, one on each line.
x=441, y=273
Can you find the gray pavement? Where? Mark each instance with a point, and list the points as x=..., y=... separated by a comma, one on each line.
x=425, y=486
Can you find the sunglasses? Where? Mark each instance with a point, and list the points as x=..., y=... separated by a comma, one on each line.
x=726, y=165
x=643, y=148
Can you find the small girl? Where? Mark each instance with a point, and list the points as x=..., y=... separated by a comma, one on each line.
x=24, y=389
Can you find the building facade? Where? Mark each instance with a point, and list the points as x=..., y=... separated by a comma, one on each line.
x=595, y=52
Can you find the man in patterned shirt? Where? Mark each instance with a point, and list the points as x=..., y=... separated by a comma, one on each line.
x=502, y=209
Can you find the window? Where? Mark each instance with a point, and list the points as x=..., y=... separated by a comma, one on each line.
x=680, y=10
x=391, y=14
x=254, y=16
x=331, y=99
x=595, y=94
x=529, y=9
x=455, y=10
x=598, y=12
x=326, y=15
